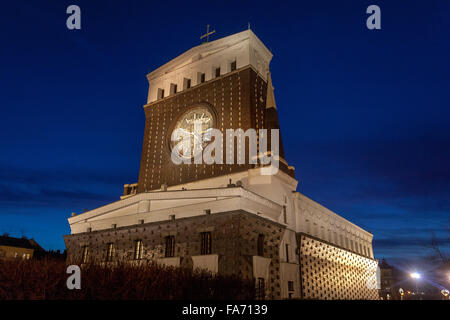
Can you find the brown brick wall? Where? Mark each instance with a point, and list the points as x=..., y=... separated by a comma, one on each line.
x=234, y=239
x=238, y=99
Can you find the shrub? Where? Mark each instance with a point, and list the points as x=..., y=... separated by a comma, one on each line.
x=46, y=280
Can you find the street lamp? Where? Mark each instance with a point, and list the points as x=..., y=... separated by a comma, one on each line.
x=416, y=276
x=445, y=293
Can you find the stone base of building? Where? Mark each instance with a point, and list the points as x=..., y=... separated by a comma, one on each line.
x=320, y=271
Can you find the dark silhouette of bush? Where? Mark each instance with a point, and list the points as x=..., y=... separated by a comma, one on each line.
x=46, y=280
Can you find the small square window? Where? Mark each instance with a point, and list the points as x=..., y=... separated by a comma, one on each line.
x=160, y=93
x=291, y=285
x=173, y=88
x=138, y=250
x=186, y=83
x=109, y=252
x=205, y=243
x=233, y=65
x=170, y=246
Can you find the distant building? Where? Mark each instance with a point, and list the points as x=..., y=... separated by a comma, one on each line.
x=11, y=247
x=386, y=289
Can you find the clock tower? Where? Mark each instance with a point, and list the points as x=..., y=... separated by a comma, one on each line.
x=227, y=82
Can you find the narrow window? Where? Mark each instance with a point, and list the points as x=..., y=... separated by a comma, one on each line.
x=260, y=289
x=287, y=253
x=109, y=252
x=217, y=72
x=138, y=249
x=291, y=285
x=206, y=243
x=261, y=245
x=85, y=254
x=233, y=65
x=200, y=77
x=186, y=83
x=160, y=93
x=173, y=88
x=284, y=214
x=170, y=246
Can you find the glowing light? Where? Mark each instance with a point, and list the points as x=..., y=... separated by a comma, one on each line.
x=415, y=275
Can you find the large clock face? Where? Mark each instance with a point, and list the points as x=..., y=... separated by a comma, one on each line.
x=194, y=131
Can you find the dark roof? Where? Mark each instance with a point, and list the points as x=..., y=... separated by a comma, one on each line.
x=384, y=265
x=17, y=242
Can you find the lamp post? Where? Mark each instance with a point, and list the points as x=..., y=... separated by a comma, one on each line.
x=445, y=293
x=416, y=276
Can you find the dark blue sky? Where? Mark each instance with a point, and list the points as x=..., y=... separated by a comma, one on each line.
x=364, y=114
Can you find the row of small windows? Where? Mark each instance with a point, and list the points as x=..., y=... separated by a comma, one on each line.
x=205, y=248
x=26, y=256
x=187, y=83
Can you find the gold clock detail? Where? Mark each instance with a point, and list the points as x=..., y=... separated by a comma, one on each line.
x=196, y=123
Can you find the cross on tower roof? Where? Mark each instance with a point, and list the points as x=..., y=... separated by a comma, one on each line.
x=207, y=34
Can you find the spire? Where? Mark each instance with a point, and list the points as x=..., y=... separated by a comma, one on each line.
x=270, y=102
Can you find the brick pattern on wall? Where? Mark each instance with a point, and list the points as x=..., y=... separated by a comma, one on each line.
x=251, y=226
x=329, y=272
x=238, y=100
x=234, y=239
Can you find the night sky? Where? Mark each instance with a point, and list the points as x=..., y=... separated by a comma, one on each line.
x=364, y=114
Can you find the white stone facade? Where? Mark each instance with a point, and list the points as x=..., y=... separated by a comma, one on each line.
x=243, y=48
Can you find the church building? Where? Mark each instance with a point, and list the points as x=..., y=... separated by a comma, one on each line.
x=225, y=218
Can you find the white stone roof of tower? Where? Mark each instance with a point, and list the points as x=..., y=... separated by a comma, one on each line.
x=244, y=47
